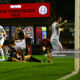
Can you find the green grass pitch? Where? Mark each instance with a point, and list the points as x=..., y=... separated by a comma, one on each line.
x=37, y=71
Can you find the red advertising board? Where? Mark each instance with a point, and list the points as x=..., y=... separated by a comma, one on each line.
x=26, y=10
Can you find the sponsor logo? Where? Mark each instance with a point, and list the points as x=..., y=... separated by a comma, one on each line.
x=15, y=6
x=43, y=10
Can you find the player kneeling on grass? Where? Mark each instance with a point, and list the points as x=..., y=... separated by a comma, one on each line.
x=15, y=56
x=46, y=49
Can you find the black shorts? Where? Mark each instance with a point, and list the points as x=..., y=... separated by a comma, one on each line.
x=46, y=51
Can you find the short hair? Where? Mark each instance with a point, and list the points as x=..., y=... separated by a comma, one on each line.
x=57, y=18
x=20, y=34
x=12, y=41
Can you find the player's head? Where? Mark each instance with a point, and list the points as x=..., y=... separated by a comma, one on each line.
x=20, y=34
x=59, y=19
x=18, y=28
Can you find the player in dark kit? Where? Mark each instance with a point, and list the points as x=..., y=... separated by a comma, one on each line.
x=46, y=48
x=16, y=52
x=15, y=56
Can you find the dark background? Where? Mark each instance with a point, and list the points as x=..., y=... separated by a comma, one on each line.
x=64, y=8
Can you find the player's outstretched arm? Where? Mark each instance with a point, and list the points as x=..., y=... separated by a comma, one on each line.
x=65, y=21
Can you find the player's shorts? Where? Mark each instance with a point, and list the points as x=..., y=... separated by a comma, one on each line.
x=47, y=50
x=56, y=45
x=13, y=55
x=1, y=41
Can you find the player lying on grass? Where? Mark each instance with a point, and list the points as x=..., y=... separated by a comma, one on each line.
x=16, y=54
x=46, y=48
x=13, y=54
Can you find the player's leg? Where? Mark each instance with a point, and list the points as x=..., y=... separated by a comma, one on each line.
x=44, y=60
x=56, y=45
x=59, y=46
x=49, y=56
x=1, y=50
x=31, y=59
x=44, y=53
x=2, y=53
x=53, y=43
x=27, y=57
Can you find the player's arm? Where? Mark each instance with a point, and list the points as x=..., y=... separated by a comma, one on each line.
x=59, y=25
x=16, y=60
x=3, y=33
x=17, y=41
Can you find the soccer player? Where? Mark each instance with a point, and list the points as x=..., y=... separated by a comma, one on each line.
x=46, y=48
x=15, y=56
x=56, y=45
x=20, y=42
x=28, y=46
x=2, y=34
x=25, y=46
x=18, y=30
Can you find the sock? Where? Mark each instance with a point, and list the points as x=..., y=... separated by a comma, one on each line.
x=50, y=60
x=44, y=58
x=2, y=60
x=2, y=53
x=34, y=59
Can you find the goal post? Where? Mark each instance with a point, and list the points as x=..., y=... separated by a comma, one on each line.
x=77, y=42
x=77, y=34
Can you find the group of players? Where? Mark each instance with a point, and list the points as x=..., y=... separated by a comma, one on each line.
x=20, y=50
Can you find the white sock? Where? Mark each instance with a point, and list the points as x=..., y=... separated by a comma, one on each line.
x=2, y=53
x=1, y=60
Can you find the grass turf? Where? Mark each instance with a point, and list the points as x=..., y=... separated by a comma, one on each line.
x=36, y=71
x=76, y=77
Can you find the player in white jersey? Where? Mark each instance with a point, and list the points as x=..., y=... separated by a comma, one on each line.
x=56, y=45
x=2, y=33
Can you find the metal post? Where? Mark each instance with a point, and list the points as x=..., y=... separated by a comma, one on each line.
x=77, y=34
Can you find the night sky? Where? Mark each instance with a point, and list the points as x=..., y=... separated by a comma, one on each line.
x=64, y=8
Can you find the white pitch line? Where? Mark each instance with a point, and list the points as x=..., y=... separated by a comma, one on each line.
x=69, y=75
x=74, y=72
x=77, y=54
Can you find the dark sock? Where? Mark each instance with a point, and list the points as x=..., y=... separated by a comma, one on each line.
x=44, y=59
x=32, y=59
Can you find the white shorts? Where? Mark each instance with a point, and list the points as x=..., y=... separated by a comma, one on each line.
x=56, y=45
x=20, y=45
x=2, y=41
